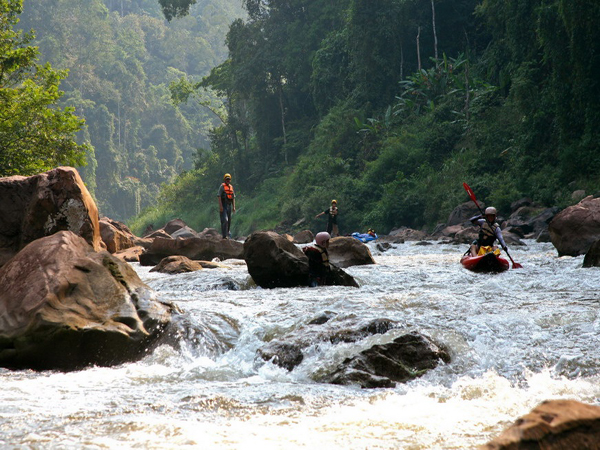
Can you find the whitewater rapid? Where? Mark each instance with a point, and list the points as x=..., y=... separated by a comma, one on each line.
x=516, y=339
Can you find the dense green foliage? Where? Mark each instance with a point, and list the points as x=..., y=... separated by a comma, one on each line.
x=389, y=105
x=121, y=56
x=35, y=134
x=386, y=105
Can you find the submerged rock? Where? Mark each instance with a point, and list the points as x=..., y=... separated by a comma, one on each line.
x=64, y=306
x=407, y=357
x=287, y=351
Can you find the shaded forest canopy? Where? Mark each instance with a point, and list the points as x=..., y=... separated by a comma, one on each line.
x=385, y=105
x=121, y=56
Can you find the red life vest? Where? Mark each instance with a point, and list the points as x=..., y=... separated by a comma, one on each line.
x=228, y=192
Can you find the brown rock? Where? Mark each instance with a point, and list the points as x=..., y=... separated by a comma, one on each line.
x=576, y=228
x=303, y=237
x=158, y=233
x=64, y=306
x=177, y=264
x=173, y=225
x=41, y=205
x=553, y=425
x=346, y=251
x=131, y=254
x=408, y=234
x=273, y=261
x=463, y=212
x=198, y=248
x=115, y=235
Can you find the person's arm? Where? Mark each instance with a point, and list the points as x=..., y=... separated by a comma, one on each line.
x=475, y=219
x=319, y=215
x=500, y=238
x=219, y=198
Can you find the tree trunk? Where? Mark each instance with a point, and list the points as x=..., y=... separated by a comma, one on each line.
x=282, y=109
x=419, y=48
x=401, y=62
x=435, y=42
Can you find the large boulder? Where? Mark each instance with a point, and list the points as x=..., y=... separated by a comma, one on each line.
x=196, y=248
x=116, y=235
x=463, y=212
x=576, y=228
x=273, y=261
x=347, y=251
x=64, y=306
x=41, y=205
x=553, y=425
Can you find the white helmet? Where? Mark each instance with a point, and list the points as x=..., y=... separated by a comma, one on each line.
x=322, y=237
x=490, y=210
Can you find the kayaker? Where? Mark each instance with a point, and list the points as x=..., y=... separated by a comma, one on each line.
x=489, y=232
x=319, y=267
x=332, y=213
x=226, y=198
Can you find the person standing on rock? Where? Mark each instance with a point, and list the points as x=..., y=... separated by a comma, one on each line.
x=332, y=213
x=226, y=198
x=319, y=268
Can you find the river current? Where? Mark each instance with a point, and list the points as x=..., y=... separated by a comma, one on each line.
x=516, y=339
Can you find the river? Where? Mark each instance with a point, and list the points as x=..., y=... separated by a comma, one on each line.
x=516, y=339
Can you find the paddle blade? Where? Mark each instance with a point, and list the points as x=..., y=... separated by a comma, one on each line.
x=470, y=192
x=517, y=265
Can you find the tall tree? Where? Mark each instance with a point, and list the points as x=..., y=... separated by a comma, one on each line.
x=35, y=134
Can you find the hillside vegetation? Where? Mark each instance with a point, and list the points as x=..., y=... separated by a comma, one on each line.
x=120, y=57
x=387, y=106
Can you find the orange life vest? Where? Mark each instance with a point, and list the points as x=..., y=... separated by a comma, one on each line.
x=228, y=192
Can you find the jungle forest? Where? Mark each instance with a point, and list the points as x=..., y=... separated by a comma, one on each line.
x=387, y=106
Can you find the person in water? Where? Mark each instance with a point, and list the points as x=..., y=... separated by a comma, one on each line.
x=226, y=198
x=489, y=232
x=332, y=213
x=319, y=268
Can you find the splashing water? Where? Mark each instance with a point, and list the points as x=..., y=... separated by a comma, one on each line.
x=516, y=339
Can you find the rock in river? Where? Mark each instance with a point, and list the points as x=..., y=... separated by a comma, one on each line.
x=65, y=306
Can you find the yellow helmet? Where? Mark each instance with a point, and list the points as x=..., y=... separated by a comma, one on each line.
x=334, y=201
x=227, y=175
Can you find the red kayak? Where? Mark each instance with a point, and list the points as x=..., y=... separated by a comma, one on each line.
x=485, y=263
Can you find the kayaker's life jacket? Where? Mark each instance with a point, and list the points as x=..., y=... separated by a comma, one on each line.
x=227, y=194
x=487, y=234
